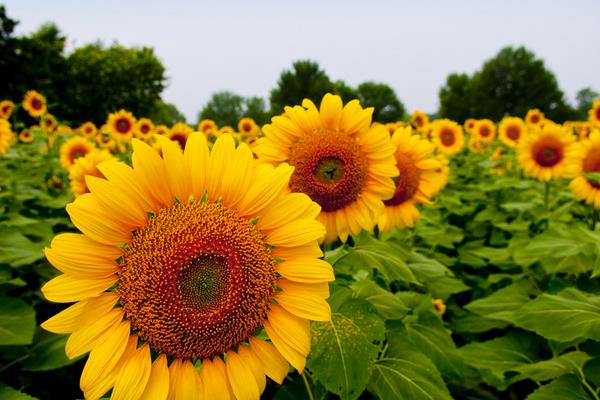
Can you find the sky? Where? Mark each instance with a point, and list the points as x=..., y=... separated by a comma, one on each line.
x=242, y=46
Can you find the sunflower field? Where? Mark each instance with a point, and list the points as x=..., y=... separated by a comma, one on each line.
x=319, y=256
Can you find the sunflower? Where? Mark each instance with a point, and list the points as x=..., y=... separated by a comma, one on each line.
x=534, y=118
x=476, y=145
x=179, y=133
x=485, y=130
x=594, y=113
x=72, y=149
x=207, y=126
x=105, y=140
x=86, y=166
x=469, y=125
x=88, y=129
x=7, y=136
x=512, y=130
x=6, y=108
x=226, y=129
x=340, y=161
x=48, y=123
x=195, y=275
x=444, y=171
x=144, y=129
x=582, y=158
x=121, y=125
x=419, y=119
x=161, y=130
x=34, y=103
x=247, y=126
x=26, y=136
x=63, y=129
x=541, y=154
x=419, y=179
x=448, y=137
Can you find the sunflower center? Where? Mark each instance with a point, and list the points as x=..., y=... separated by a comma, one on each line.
x=548, y=154
x=36, y=104
x=513, y=132
x=197, y=280
x=329, y=167
x=179, y=138
x=78, y=151
x=591, y=163
x=408, y=181
x=598, y=113
x=145, y=129
x=123, y=125
x=485, y=131
x=418, y=122
x=6, y=109
x=447, y=137
x=534, y=119
x=247, y=127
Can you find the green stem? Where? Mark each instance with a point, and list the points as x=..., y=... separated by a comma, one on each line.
x=307, y=386
x=594, y=218
x=590, y=389
x=13, y=362
x=547, y=196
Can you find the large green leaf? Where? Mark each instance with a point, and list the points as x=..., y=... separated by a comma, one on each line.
x=47, y=353
x=565, y=388
x=17, y=322
x=563, y=317
x=409, y=375
x=18, y=250
x=8, y=393
x=344, y=349
x=501, y=303
x=568, y=363
x=386, y=304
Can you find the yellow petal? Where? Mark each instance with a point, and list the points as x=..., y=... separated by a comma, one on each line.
x=306, y=270
x=196, y=156
x=287, y=208
x=311, y=250
x=119, y=203
x=220, y=156
x=237, y=176
x=150, y=171
x=133, y=376
x=158, y=383
x=214, y=381
x=84, y=339
x=91, y=218
x=268, y=183
x=305, y=305
x=275, y=365
x=175, y=166
x=243, y=382
x=66, y=320
x=296, y=233
x=184, y=382
x=293, y=356
x=124, y=178
x=67, y=289
x=255, y=366
x=320, y=289
x=331, y=111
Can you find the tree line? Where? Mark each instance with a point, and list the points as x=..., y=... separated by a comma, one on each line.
x=94, y=80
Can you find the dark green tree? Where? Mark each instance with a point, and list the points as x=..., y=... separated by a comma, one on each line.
x=455, y=98
x=225, y=108
x=256, y=109
x=305, y=80
x=383, y=98
x=347, y=93
x=166, y=113
x=585, y=97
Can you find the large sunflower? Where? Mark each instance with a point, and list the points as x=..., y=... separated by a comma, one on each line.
x=541, y=154
x=144, y=129
x=121, y=125
x=340, y=161
x=485, y=130
x=72, y=149
x=179, y=133
x=420, y=178
x=448, y=137
x=582, y=158
x=196, y=274
x=534, y=118
x=594, y=113
x=84, y=166
x=6, y=108
x=34, y=103
x=512, y=130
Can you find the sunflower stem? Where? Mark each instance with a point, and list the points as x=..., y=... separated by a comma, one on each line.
x=547, y=196
x=307, y=386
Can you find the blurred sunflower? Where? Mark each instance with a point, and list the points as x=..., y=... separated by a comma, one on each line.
x=6, y=108
x=469, y=125
x=476, y=145
x=162, y=130
x=86, y=166
x=541, y=153
x=179, y=133
x=534, y=118
x=594, y=113
x=485, y=130
x=7, y=137
x=121, y=125
x=448, y=137
x=419, y=119
x=444, y=171
x=512, y=130
x=582, y=158
x=144, y=129
x=88, y=129
x=419, y=180
x=105, y=140
x=226, y=129
x=26, y=136
x=207, y=126
x=48, y=123
x=63, y=129
x=226, y=300
x=247, y=126
x=34, y=103
x=339, y=161
x=72, y=149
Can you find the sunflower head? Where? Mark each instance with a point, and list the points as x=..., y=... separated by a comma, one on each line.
x=594, y=113
x=48, y=123
x=584, y=158
x=7, y=136
x=247, y=126
x=34, y=103
x=26, y=136
x=63, y=129
x=340, y=161
x=534, y=117
x=72, y=149
x=88, y=129
x=512, y=130
x=469, y=125
x=121, y=125
x=162, y=130
x=86, y=166
x=541, y=154
x=485, y=130
x=448, y=137
x=6, y=108
x=207, y=126
x=144, y=129
x=197, y=272
x=179, y=133
x=419, y=119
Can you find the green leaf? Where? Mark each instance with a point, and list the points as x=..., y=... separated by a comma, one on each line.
x=16, y=250
x=408, y=375
x=568, y=363
x=17, y=322
x=344, y=350
x=501, y=303
x=566, y=387
x=48, y=352
x=592, y=176
x=8, y=393
x=472, y=323
x=563, y=317
x=386, y=304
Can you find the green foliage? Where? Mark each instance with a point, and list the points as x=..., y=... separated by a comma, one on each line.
x=227, y=108
x=585, y=97
x=383, y=98
x=165, y=113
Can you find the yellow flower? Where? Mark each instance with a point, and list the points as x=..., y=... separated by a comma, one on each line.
x=105, y=141
x=594, y=113
x=541, y=154
x=26, y=136
x=476, y=145
x=121, y=125
x=534, y=118
x=419, y=180
x=469, y=125
x=201, y=296
x=144, y=129
x=161, y=130
x=6, y=108
x=86, y=166
x=247, y=126
x=207, y=126
x=439, y=306
x=448, y=137
x=512, y=130
x=64, y=130
x=226, y=129
x=340, y=162
x=34, y=103
x=88, y=129
x=584, y=157
x=72, y=149
x=179, y=133
x=419, y=119
x=485, y=130
x=7, y=137
x=48, y=123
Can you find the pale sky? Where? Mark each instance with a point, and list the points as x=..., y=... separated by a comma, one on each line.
x=243, y=46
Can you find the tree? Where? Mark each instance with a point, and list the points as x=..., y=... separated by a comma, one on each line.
x=256, y=109
x=346, y=92
x=512, y=82
x=383, y=98
x=227, y=108
x=107, y=79
x=585, y=97
x=166, y=113
x=306, y=80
